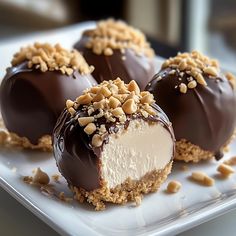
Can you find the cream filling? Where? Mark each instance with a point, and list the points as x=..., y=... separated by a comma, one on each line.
x=141, y=148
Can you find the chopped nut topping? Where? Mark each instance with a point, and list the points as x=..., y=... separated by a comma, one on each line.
x=147, y=99
x=225, y=170
x=201, y=80
x=231, y=78
x=118, y=112
x=112, y=35
x=112, y=100
x=202, y=178
x=183, y=88
x=192, y=84
x=40, y=177
x=83, y=121
x=84, y=99
x=133, y=87
x=210, y=71
x=69, y=104
x=71, y=110
x=90, y=128
x=173, y=186
x=97, y=140
x=46, y=57
x=194, y=64
x=129, y=106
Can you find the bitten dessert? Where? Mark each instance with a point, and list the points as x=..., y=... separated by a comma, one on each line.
x=113, y=144
x=117, y=50
x=35, y=88
x=200, y=101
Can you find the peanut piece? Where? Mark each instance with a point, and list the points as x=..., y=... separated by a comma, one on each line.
x=105, y=92
x=192, y=84
x=97, y=140
x=83, y=121
x=118, y=112
x=71, y=111
x=225, y=170
x=99, y=105
x=132, y=86
x=114, y=102
x=183, y=88
x=147, y=99
x=211, y=71
x=173, y=186
x=90, y=128
x=98, y=97
x=41, y=177
x=69, y=103
x=84, y=99
x=129, y=107
x=202, y=178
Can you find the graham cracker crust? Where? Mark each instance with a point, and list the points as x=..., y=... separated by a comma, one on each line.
x=10, y=140
x=130, y=190
x=188, y=152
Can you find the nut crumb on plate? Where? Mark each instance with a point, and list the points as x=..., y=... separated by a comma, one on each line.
x=231, y=161
x=225, y=170
x=173, y=186
x=40, y=177
x=202, y=178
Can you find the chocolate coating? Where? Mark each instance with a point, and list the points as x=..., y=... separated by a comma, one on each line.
x=76, y=159
x=31, y=100
x=205, y=116
x=138, y=68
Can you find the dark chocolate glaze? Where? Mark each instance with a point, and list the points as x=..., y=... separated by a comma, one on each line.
x=138, y=68
x=76, y=159
x=31, y=100
x=205, y=116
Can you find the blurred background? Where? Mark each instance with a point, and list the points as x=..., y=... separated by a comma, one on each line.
x=171, y=25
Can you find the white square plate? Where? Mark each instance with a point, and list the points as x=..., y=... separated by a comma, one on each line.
x=159, y=213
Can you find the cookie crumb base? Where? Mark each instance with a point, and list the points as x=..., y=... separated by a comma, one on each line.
x=9, y=139
x=188, y=152
x=130, y=190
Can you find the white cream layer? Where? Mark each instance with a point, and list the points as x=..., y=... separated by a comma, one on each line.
x=141, y=148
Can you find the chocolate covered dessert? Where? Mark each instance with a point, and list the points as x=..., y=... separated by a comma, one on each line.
x=34, y=90
x=113, y=144
x=200, y=101
x=117, y=50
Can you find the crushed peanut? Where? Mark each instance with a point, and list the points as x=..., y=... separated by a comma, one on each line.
x=113, y=100
x=83, y=121
x=225, y=170
x=231, y=161
x=90, y=128
x=173, y=186
x=231, y=78
x=202, y=178
x=40, y=177
x=47, y=57
x=112, y=35
x=97, y=140
x=196, y=65
x=183, y=88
